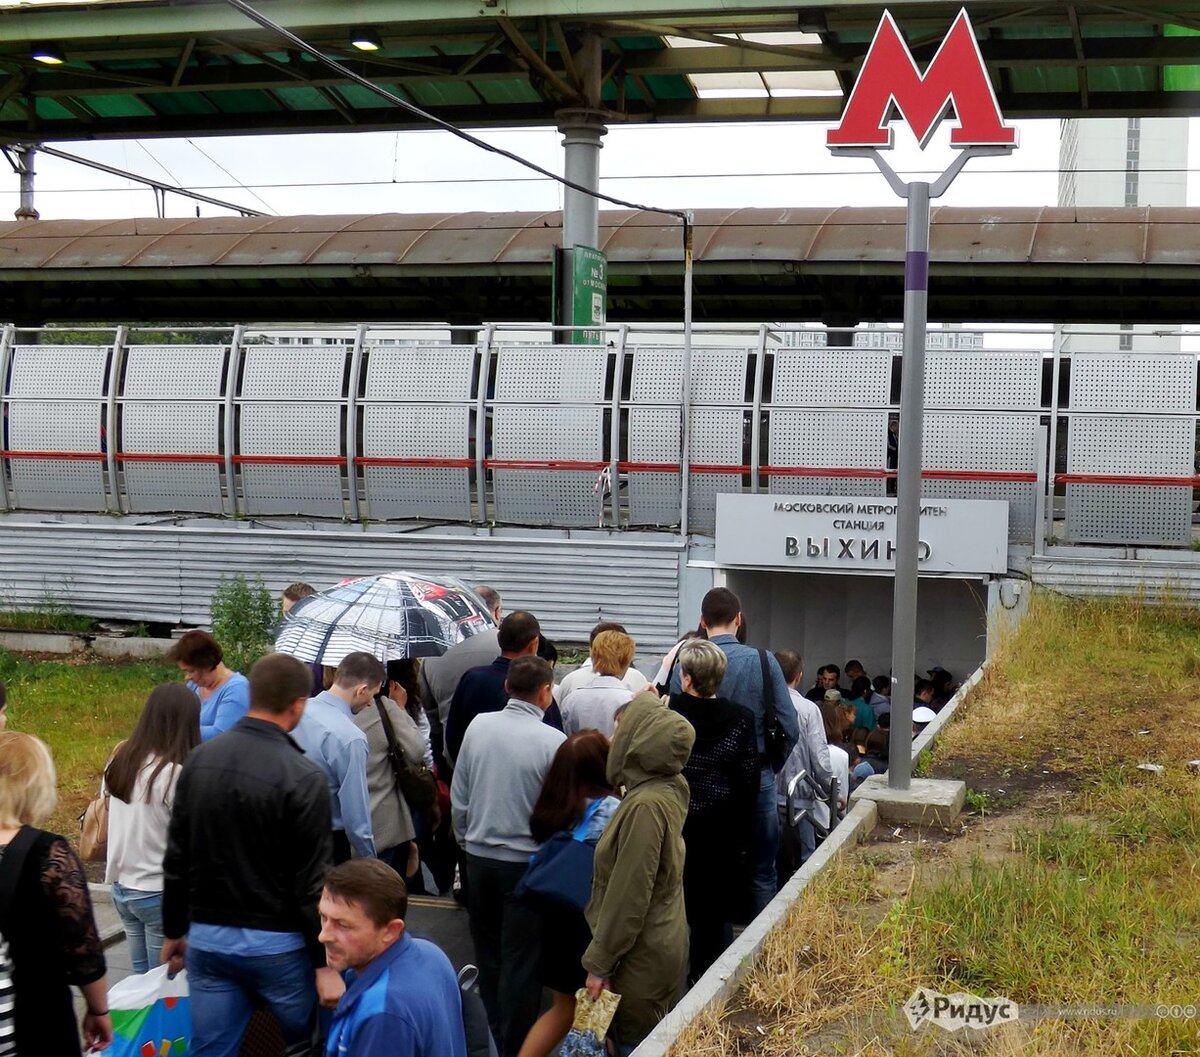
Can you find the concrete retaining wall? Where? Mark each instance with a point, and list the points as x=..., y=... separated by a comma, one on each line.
x=112, y=646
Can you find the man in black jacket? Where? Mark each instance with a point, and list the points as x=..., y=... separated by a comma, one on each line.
x=249, y=844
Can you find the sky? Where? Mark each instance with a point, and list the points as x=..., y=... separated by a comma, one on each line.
x=673, y=166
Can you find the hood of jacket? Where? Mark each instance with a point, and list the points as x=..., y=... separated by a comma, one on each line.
x=651, y=742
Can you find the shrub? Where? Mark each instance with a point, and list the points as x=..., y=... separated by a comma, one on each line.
x=243, y=619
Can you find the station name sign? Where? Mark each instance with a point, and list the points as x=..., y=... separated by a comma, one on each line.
x=850, y=534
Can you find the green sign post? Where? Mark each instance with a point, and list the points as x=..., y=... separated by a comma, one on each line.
x=582, y=289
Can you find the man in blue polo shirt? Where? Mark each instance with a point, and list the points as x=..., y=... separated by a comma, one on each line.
x=329, y=738
x=402, y=998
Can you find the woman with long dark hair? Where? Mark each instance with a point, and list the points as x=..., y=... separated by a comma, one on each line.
x=575, y=781
x=140, y=780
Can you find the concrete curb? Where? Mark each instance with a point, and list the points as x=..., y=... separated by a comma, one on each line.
x=925, y=739
x=64, y=642
x=102, y=893
x=727, y=972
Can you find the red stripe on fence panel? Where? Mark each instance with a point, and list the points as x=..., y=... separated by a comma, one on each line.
x=543, y=464
x=431, y=461
x=289, y=460
x=1127, y=479
x=169, y=456
x=74, y=456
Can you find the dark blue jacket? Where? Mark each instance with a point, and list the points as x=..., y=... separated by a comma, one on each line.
x=482, y=690
x=406, y=1003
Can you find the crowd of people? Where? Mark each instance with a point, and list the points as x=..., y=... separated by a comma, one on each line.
x=265, y=830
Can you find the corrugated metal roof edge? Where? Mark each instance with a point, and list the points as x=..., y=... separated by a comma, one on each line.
x=1034, y=234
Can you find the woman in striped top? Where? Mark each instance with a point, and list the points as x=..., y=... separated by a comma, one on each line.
x=49, y=934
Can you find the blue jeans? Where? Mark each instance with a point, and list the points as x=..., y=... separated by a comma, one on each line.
x=766, y=842
x=225, y=989
x=141, y=914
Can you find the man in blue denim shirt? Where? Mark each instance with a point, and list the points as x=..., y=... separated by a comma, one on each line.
x=721, y=616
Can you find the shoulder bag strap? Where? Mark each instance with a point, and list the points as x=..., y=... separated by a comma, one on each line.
x=769, y=718
x=11, y=865
x=665, y=685
x=395, y=752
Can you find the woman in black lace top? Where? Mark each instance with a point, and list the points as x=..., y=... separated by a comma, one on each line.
x=723, y=774
x=48, y=937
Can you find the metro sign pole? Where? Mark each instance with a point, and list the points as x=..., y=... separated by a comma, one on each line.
x=889, y=79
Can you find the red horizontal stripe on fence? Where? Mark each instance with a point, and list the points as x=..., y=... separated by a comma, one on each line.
x=289, y=460
x=1024, y=476
x=823, y=471
x=543, y=464
x=74, y=456
x=648, y=467
x=169, y=456
x=710, y=468
x=1126, y=479
x=379, y=460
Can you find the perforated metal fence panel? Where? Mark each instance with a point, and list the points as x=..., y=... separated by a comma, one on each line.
x=802, y=431
x=837, y=377
x=814, y=439
x=995, y=397
x=548, y=408
x=983, y=378
x=55, y=403
x=291, y=407
x=1156, y=436
x=171, y=404
x=989, y=443
x=417, y=406
x=654, y=434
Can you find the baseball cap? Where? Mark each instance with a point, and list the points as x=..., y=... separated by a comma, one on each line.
x=923, y=714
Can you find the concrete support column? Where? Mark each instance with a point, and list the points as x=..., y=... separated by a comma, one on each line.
x=582, y=131
x=25, y=156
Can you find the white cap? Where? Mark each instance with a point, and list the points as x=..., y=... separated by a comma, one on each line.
x=923, y=714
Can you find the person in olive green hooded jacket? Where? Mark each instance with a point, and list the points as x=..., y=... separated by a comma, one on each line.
x=639, y=927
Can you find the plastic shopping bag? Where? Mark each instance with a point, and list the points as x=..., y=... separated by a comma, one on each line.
x=592, y=1018
x=150, y=1016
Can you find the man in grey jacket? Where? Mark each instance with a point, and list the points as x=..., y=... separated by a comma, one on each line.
x=501, y=766
x=440, y=675
x=811, y=755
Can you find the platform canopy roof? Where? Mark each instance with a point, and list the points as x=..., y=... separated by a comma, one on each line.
x=141, y=68
x=841, y=266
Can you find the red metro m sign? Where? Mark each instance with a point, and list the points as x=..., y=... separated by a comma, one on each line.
x=956, y=77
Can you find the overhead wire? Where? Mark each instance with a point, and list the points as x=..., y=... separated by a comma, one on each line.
x=617, y=177
x=365, y=82
x=245, y=187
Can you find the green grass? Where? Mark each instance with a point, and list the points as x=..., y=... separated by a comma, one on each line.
x=45, y=619
x=81, y=709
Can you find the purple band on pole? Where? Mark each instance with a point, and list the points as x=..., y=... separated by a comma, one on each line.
x=916, y=270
